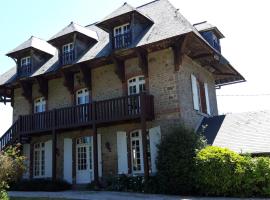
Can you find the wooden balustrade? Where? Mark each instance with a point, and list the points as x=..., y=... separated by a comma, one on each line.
x=100, y=112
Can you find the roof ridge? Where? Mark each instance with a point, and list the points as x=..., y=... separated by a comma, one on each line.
x=147, y=4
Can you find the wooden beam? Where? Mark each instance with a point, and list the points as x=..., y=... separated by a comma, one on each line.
x=27, y=90
x=68, y=80
x=120, y=67
x=43, y=86
x=201, y=56
x=143, y=60
x=179, y=48
x=86, y=76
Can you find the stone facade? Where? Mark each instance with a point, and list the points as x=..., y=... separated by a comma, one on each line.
x=171, y=89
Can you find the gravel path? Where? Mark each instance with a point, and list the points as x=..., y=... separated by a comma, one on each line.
x=78, y=195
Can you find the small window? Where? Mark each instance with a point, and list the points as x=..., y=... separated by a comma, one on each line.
x=26, y=61
x=82, y=96
x=40, y=105
x=122, y=36
x=200, y=95
x=68, y=55
x=136, y=85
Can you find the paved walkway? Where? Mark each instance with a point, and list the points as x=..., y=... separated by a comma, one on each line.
x=78, y=195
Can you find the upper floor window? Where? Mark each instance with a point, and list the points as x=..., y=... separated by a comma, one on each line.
x=68, y=55
x=26, y=61
x=136, y=85
x=25, y=67
x=40, y=105
x=122, y=36
x=82, y=96
x=200, y=95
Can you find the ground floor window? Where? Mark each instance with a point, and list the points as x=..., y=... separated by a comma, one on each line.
x=39, y=160
x=137, y=151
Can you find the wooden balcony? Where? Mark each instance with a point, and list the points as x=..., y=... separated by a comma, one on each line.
x=122, y=41
x=67, y=58
x=25, y=70
x=100, y=113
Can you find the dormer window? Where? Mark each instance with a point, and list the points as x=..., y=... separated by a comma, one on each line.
x=122, y=36
x=68, y=55
x=25, y=67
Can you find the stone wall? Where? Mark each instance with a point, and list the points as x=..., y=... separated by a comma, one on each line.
x=191, y=117
x=21, y=105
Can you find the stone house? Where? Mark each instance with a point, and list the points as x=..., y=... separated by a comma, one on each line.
x=94, y=101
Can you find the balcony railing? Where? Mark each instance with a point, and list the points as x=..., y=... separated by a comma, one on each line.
x=122, y=41
x=25, y=70
x=68, y=58
x=100, y=113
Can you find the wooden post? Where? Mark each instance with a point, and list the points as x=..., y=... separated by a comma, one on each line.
x=95, y=143
x=54, y=146
x=144, y=135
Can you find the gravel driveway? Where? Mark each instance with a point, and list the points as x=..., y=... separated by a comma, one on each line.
x=106, y=196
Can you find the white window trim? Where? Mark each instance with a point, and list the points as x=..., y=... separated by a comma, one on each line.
x=122, y=28
x=137, y=83
x=84, y=92
x=41, y=101
x=139, y=138
x=69, y=46
x=27, y=60
x=39, y=149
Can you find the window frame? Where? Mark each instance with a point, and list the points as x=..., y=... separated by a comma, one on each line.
x=39, y=160
x=41, y=101
x=27, y=60
x=69, y=49
x=137, y=83
x=83, y=92
x=122, y=30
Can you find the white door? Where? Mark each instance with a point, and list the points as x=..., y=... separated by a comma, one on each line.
x=82, y=97
x=84, y=160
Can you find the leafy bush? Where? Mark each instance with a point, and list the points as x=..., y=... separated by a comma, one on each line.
x=40, y=185
x=175, y=161
x=11, y=168
x=220, y=171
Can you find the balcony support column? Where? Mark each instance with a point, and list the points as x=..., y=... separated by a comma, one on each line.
x=54, y=147
x=144, y=135
x=95, y=145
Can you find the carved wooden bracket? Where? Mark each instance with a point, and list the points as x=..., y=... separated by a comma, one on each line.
x=27, y=90
x=86, y=76
x=68, y=80
x=120, y=67
x=143, y=60
x=6, y=95
x=43, y=86
x=179, y=50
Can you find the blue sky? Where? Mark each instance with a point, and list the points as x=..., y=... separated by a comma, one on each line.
x=243, y=22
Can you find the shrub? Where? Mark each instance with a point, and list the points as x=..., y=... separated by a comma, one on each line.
x=11, y=168
x=40, y=185
x=126, y=183
x=176, y=160
x=220, y=171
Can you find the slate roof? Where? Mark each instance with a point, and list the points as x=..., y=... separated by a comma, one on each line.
x=205, y=26
x=37, y=43
x=247, y=132
x=168, y=22
x=73, y=27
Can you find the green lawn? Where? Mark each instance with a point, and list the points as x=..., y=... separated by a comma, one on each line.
x=24, y=198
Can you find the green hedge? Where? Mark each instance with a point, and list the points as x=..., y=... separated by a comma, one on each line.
x=221, y=172
x=175, y=161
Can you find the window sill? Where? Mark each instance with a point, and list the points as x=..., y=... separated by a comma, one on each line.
x=202, y=114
